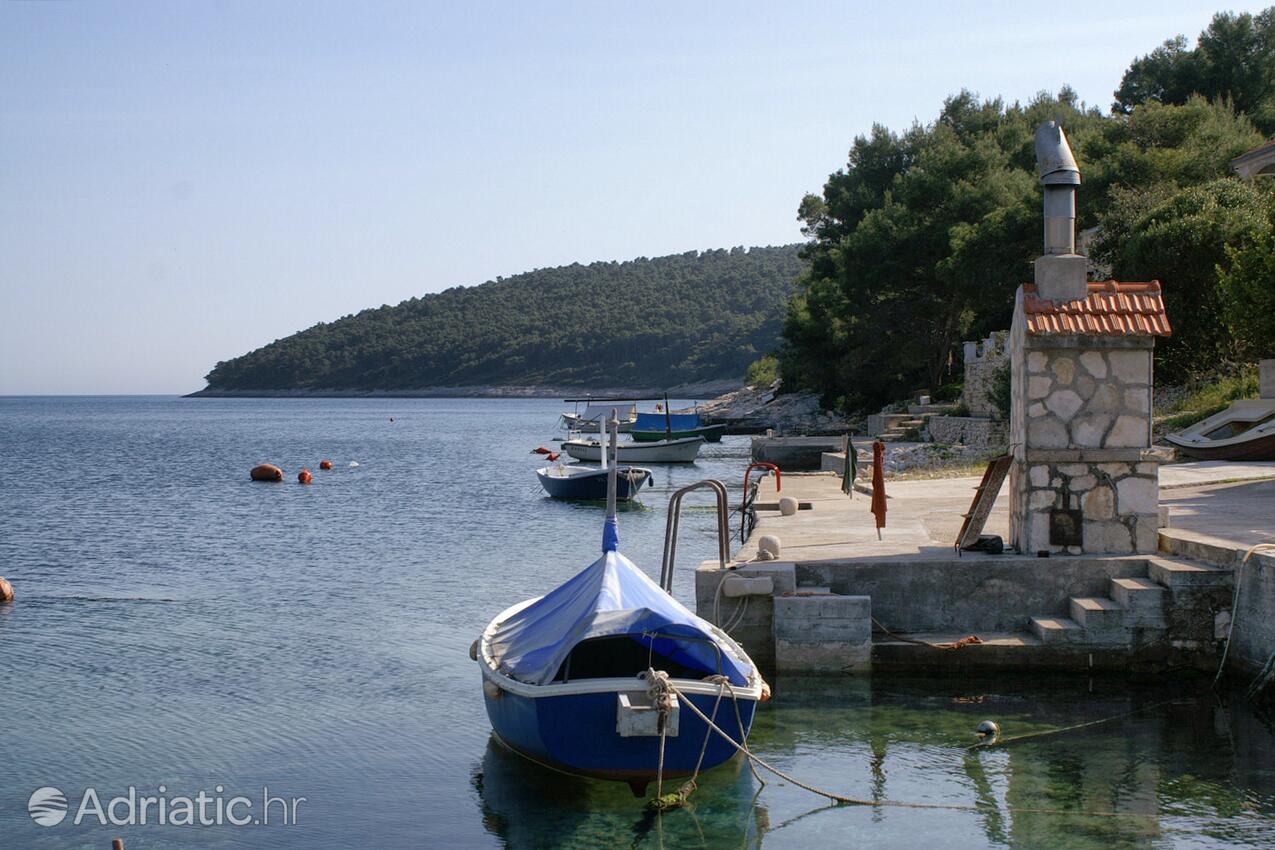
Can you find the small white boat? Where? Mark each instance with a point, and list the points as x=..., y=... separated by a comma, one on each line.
x=1244, y=431
x=683, y=450
x=590, y=420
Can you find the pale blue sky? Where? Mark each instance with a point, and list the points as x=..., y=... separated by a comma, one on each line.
x=183, y=182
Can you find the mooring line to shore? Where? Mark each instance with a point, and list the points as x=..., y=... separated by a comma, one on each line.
x=842, y=799
x=998, y=741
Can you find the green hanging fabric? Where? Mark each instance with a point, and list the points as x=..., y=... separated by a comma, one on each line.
x=851, y=470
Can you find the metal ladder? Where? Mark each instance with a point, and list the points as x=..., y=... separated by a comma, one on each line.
x=674, y=521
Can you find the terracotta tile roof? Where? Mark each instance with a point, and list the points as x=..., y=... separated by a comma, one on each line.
x=1111, y=309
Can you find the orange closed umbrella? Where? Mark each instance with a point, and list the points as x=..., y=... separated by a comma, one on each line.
x=878, y=484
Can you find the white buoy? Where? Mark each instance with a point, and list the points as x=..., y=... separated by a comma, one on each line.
x=353, y=464
x=768, y=548
x=787, y=506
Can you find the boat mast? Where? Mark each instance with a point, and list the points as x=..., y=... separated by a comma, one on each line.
x=611, y=528
x=668, y=418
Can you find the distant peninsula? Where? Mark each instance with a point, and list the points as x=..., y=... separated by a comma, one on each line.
x=690, y=323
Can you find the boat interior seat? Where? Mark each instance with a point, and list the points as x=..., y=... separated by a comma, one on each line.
x=620, y=657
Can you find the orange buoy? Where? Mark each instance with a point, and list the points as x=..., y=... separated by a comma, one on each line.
x=325, y=464
x=6, y=590
x=266, y=472
x=541, y=450
x=552, y=456
x=304, y=476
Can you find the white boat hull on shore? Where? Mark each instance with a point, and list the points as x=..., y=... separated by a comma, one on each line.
x=682, y=450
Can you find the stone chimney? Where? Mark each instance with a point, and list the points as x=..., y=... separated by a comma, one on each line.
x=1082, y=479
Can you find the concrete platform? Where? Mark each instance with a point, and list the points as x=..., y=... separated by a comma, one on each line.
x=1241, y=514
x=921, y=523
x=1200, y=472
x=924, y=516
x=1136, y=613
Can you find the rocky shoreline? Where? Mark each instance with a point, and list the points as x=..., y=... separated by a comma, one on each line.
x=754, y=410
x=743, y=410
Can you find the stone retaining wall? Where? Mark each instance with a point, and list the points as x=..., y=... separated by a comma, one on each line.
x=969, y=431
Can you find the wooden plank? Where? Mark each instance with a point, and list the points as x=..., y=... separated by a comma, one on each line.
x=984, y=499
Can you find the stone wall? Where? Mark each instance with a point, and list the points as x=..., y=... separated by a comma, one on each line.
x=1080, y=422
x=983, y=363
x=969, y=431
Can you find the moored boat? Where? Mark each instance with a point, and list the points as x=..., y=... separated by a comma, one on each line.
x=589, y=421
x=1244, y=431
x=572, y=481
x=649, y=427
x=594, y=677
x=683, y=450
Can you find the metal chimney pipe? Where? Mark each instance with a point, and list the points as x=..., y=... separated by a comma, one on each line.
x=1060, y=176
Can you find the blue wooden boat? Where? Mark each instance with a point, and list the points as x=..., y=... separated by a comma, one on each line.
x=648, y=427
x=575, y=481
x=592, y=677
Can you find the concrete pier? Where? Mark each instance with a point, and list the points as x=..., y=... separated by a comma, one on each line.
x=842, y=601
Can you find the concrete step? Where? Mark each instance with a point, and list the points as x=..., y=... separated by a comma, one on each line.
x=1182, y=543
x=1175, y=573
x=1097, y=613
x=1055, y=630
x=1143, y=601
x=912, y=423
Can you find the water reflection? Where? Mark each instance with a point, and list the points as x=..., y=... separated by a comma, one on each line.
x=526, y=805
x=1188, y=767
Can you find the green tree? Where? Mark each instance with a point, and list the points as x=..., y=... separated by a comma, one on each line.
x=1246, y=287
x=1187, y=241
x=1234, y=60
x=917, y=243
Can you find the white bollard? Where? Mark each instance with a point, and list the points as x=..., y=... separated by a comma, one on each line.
x=787, y=506
x=768, y=548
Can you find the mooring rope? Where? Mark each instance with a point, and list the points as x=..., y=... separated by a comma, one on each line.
x=856, y=801
x=968, y=640
x=1230, y=629
x=997, y=741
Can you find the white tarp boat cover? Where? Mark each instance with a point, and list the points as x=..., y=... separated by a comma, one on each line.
x=610, y=597
x=596, y=412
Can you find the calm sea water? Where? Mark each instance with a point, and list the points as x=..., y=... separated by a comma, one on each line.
x=178, y=625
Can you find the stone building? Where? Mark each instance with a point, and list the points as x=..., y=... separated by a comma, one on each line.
x=983, y=363
x=1082, y=479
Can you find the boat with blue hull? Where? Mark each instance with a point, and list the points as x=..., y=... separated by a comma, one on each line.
x=595, y=677
x=649, y=427
x=575, y=481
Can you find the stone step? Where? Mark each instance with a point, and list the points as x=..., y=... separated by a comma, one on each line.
x=1176, y=573
x=1097, y=613
x=912, y=423
x=1143, y=601
x=1055, y=630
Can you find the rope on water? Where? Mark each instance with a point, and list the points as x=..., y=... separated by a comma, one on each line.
x=855, y=801
x=997, y=741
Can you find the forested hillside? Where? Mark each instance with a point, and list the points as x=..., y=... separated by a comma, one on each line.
x=921, y=239
x=685, y=318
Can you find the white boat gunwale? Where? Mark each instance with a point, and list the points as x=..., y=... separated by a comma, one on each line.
x=1242, y=410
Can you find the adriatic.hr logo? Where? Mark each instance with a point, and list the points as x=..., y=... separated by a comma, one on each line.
x=47, y=806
